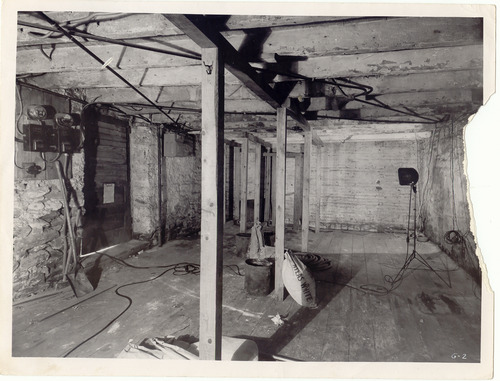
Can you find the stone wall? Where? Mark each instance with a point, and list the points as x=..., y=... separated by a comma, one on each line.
x=38, y=231
x=182, y=204
x=144, y=180
x=444, y=204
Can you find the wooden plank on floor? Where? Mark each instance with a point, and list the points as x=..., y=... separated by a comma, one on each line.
x=335, y=346
x=360, y=321
x=212, y=199
x=387, y=340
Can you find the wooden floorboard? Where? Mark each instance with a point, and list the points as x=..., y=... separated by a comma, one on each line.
x=419, y=319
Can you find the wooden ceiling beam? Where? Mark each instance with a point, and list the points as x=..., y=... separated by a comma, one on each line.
x=303, y=41
x=199, y=30
x=355, y=67
x=154, y=25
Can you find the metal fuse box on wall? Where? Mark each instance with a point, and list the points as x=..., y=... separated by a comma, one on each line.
x=45, y=138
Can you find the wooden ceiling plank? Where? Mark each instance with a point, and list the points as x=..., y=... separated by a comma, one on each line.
x=307, y=41
x=134, y=25
x=353, y=67
x=386, y=63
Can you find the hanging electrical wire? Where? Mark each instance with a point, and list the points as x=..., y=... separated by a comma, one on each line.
x=363, y=90
x=94, y=17
x=89, y=52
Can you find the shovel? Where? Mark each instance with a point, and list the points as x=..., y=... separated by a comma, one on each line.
x=76, y=277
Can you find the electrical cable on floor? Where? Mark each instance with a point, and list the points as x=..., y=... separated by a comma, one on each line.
x=173, y=268
x=183, y=268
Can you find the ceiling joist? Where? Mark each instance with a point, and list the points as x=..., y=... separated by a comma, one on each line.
x=198, y=29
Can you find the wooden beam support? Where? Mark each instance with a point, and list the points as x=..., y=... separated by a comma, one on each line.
x=237, y=183
x=257, y=140
x=306, y=182
x=280, y=185
x=230, y=172
x=244, y=186
x=267, y=186
x=395, y=34
x=200, y=30
x=224, y=184
x=273, y=188
x=319, y=184
x=297, y=191
x=231, y=143
x=212, y=198
x=257, y=183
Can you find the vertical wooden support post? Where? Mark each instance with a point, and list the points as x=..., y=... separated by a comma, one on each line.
x=230, y=193
x=319, y=184
x=212, y=177
x=306, y=189
x=297, y=192
x=244, y=185
x=273, y=189
x=279, y=182
x=267, y=186
x=237, y=183
x=224, y=187
x=257, y=193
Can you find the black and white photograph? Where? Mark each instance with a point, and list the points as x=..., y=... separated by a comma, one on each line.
x=285, y=185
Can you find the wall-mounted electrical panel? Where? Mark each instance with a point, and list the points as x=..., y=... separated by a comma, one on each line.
x=45, y=138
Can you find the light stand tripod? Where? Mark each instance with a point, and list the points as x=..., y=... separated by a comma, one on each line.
x=414, y=254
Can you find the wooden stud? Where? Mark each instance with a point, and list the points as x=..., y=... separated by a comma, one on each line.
x=273, y=189
x=319, y=183
x=244, y=186
x=224, y=185
x=306, y=182
x=267, y=187
x=237, y=183
x=230, y=172
x=212, y=177
x=279, y=182
x=257, y=174
x=297, y=189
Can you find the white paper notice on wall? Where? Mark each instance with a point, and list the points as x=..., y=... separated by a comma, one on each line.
x=108, y=196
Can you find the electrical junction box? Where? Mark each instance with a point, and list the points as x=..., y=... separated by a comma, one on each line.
x=45, y=138
x=39, y=138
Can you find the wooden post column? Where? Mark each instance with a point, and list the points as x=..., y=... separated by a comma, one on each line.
x=267, y=186
x=279, y=182
x=297, y=192
x=257, y=175
x=306, y=182
x=212, y=198
x=244, y=185
x=319, y=184
x=237, y=183
x=230, y=174
x=273, y=189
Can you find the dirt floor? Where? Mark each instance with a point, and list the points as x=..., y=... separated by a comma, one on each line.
x=360, y=316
